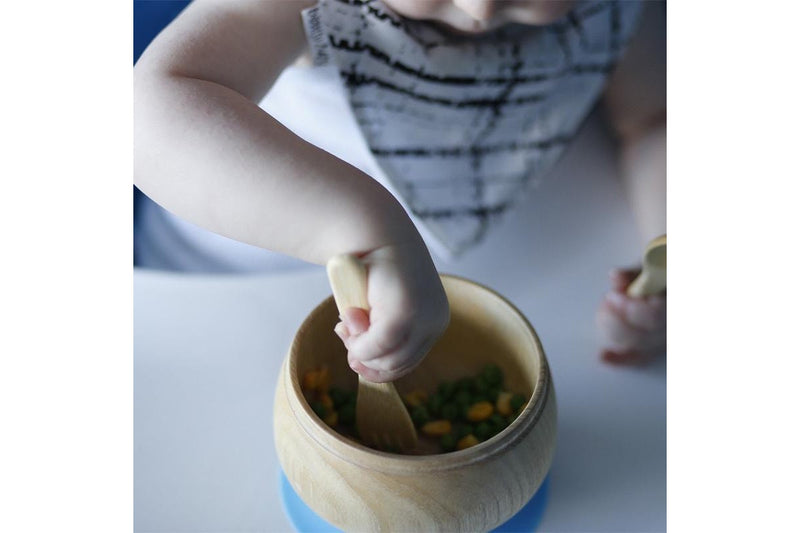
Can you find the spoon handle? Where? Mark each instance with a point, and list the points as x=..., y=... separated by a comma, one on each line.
x=653, y=278
x=348, y=278
x=381, y=417
x=646, y=283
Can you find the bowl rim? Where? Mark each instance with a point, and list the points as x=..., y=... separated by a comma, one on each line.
x=360, y=455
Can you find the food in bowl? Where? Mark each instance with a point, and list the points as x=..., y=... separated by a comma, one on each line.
x=454, y=416
x=356, y=488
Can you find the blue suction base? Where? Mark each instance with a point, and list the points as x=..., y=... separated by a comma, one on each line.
x=305, y=520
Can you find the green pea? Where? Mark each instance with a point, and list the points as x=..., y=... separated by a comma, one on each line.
x=463, y=399
x=420, y=415
x=465, y=384
x=450, y=411
x=435, y=404
x=493, y=393
x=320, y=409
x=446, y=389
x=347, y=413
x=493, y=374
x=483, y=431
x=498, y=423
x=448, y=442
x=481, y=385
x=480, y=397
x=339, y=396
x=462, y=430
x=517, y=401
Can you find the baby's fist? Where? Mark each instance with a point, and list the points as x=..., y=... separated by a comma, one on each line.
x=634, y=330
x=409, y=312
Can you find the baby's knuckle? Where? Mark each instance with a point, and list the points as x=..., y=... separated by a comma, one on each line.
x=393, y=336
x=387, y=365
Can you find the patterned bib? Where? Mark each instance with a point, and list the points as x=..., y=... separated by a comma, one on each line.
x=461, y=125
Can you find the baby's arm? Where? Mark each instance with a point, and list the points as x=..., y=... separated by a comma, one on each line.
x=636, y=105
x=208, y=153
x=205, y=151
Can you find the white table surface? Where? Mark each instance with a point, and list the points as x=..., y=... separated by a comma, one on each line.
x=208, y=349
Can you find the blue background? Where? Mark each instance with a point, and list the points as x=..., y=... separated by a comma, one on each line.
x=149, y=18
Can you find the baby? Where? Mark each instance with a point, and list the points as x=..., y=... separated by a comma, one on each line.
x=461, y=102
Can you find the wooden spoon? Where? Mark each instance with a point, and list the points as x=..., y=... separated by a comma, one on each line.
x=653, y=278
x=381, y=417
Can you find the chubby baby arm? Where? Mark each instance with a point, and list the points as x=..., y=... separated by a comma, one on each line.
x=205, y=151
x=634, y=329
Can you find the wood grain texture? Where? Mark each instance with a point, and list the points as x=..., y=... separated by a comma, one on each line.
x=359, y=489
x=381, y=416
x=348, y=279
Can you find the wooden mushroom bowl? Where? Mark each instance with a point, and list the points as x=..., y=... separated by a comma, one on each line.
x=356, y=488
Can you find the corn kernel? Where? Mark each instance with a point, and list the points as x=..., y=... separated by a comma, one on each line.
x=317, y=380
x=326, y=400
x=309, y=381
x=332, y=418
x=324, y=380
x=437, y=428
x=415, y=398
x=504, y=403
x=467, y=442
x=480, y=411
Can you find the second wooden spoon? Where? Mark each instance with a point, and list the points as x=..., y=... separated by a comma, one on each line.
x=653, y=278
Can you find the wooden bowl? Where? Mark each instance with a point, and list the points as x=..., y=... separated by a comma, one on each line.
x=356, y=488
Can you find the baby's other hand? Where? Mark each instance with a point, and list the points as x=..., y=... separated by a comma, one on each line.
x=634, y=330
x=409, y=312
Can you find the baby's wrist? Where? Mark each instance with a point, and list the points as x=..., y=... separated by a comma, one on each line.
x=394, y=234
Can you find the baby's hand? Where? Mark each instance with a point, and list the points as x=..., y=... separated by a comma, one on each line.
x=409, y=311
x=634, y=329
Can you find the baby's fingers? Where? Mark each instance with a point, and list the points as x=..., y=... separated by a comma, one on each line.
x=634, y=328
x=622, y=277
x=381, y=339
x=353, y=323
x=390, y=349
x=617, y=332
x=341, y=330
x=356, y=320
x=371, y=374
x=393, y=365
x=625, y=357
x=647, y=313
